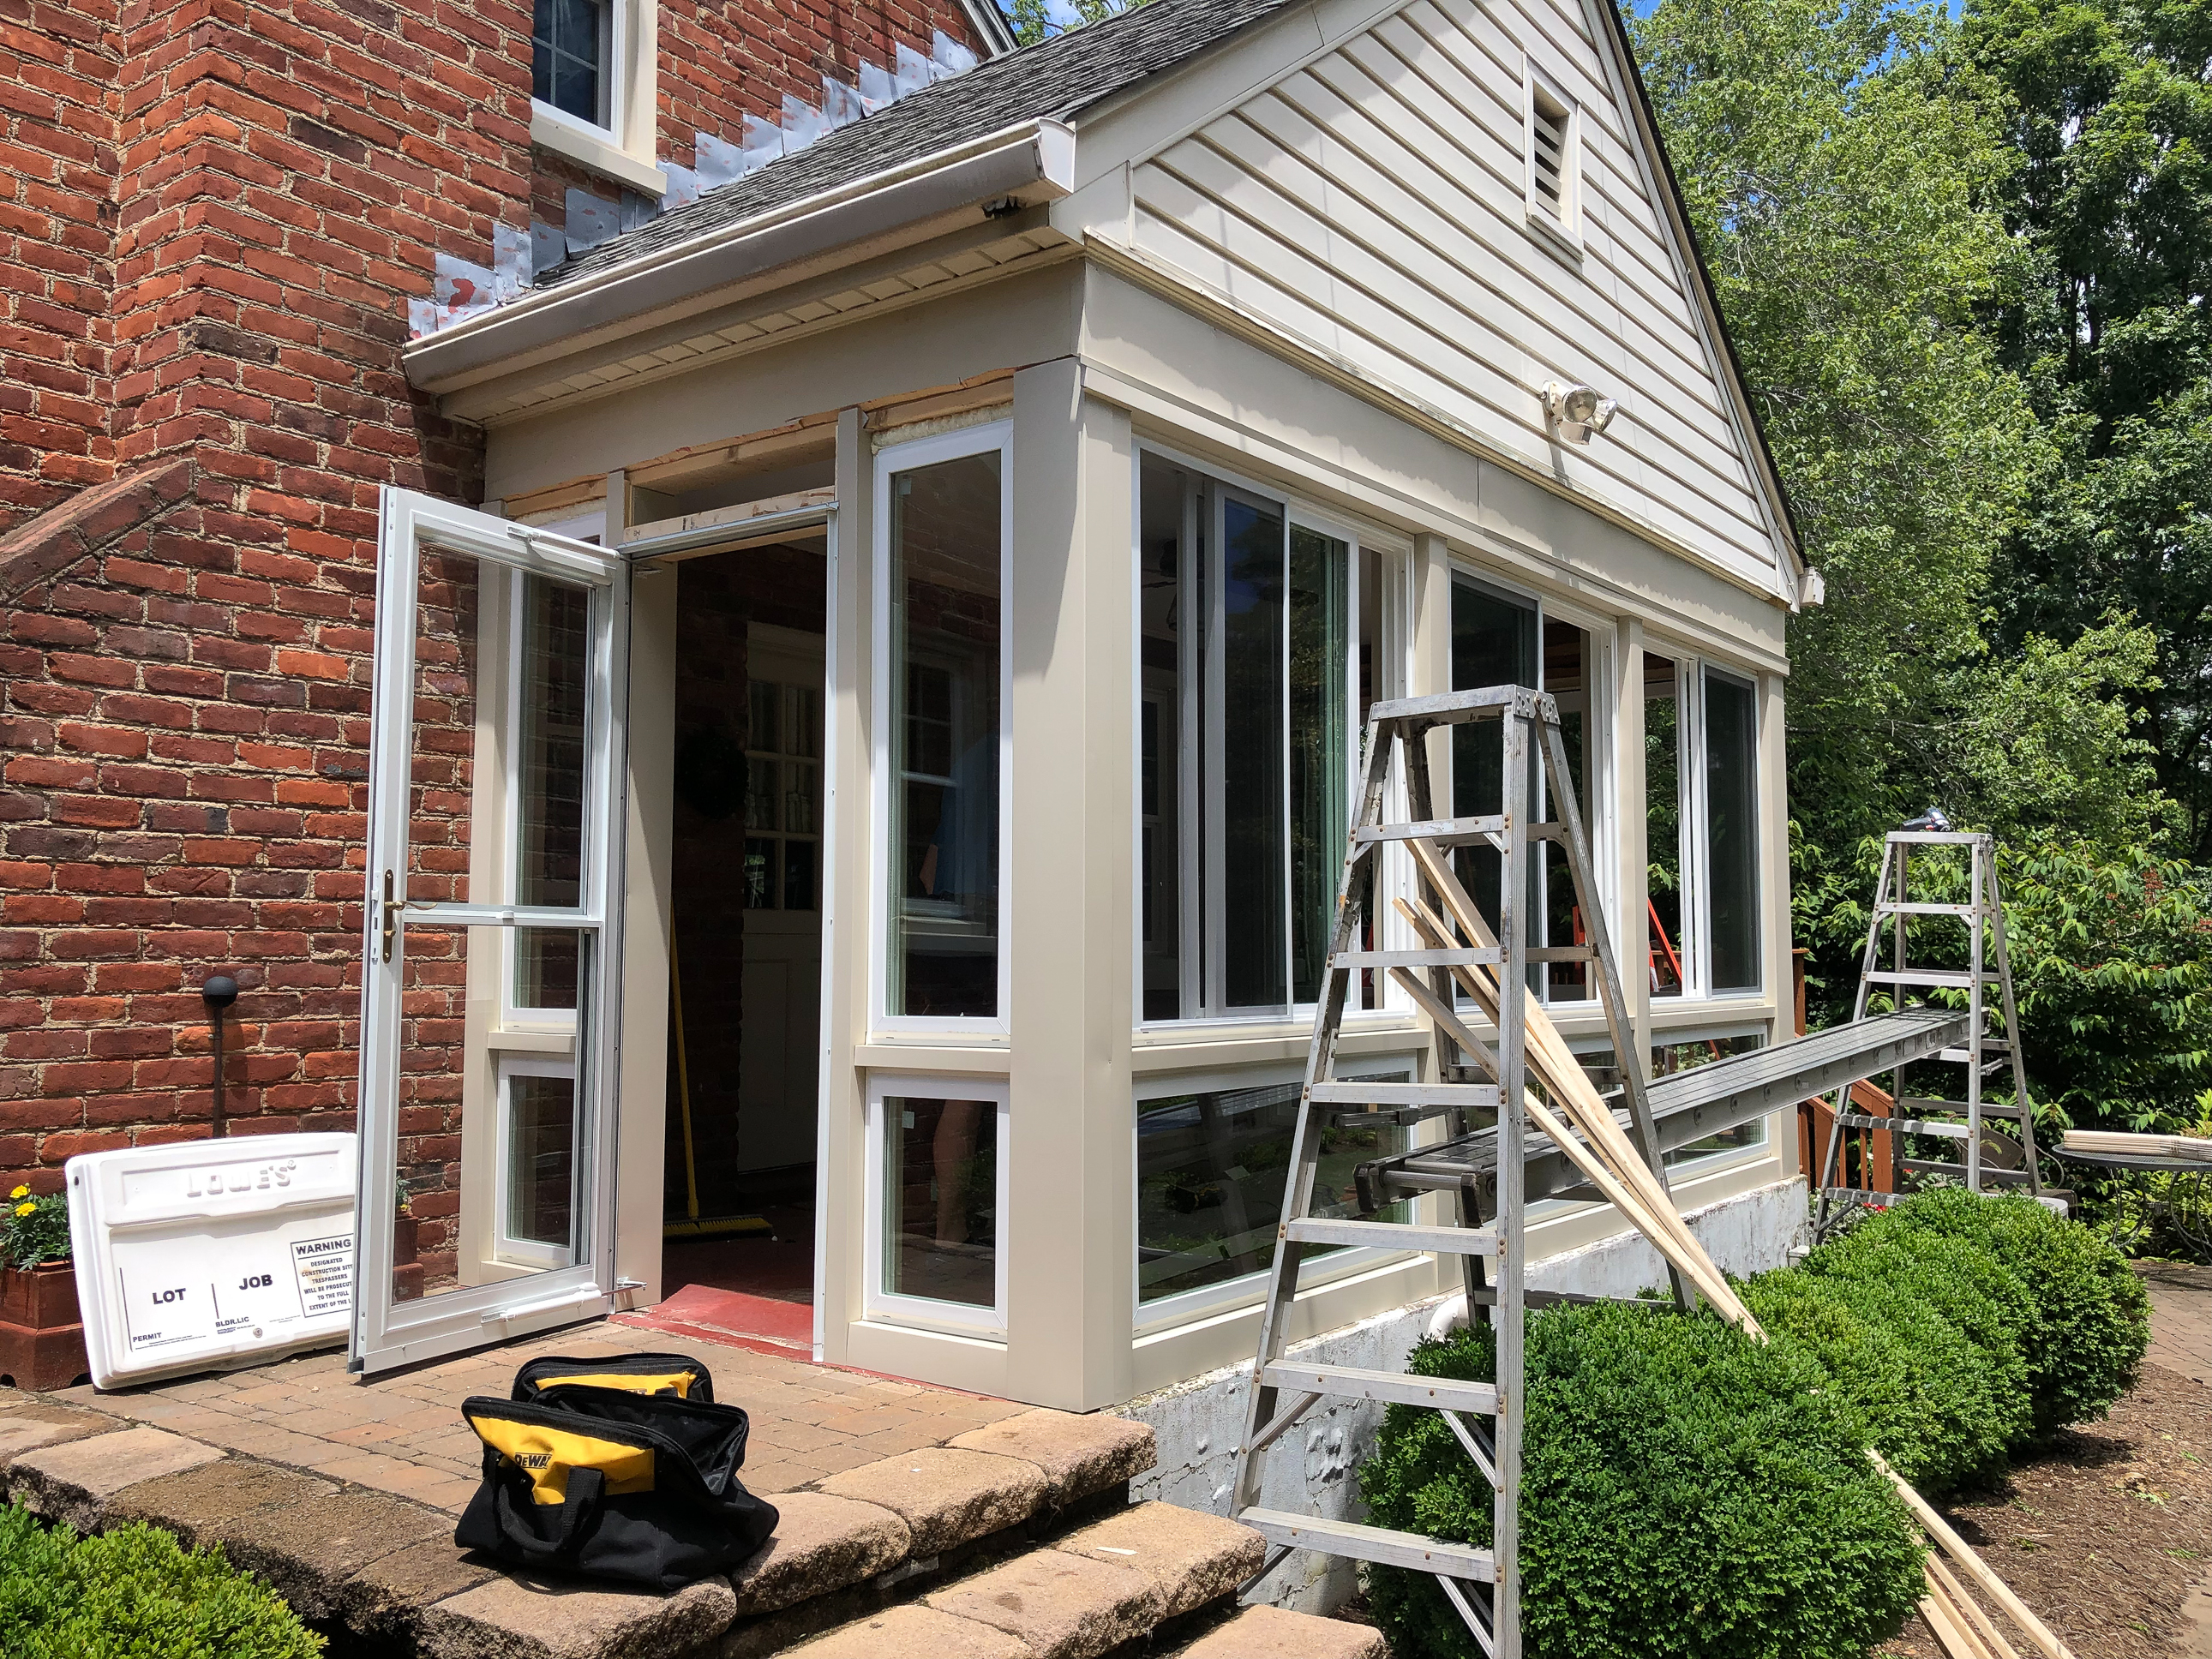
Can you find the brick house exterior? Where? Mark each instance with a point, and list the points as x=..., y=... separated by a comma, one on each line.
x=212, y=223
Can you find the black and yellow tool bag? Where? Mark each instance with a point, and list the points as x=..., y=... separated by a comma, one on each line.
x=641, y=1373
x=617, y=1482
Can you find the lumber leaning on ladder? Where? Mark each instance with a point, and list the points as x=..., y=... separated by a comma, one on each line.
x=1958, y=1623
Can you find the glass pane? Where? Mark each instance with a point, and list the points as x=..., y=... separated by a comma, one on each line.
x=553, y=645
x=541, y=1160
x=1168, y=515
x=1567, y=660
x=1662, y=826
x=1668, y=1059
x=575, y=87
x=945, y=736
x=546, y=963
x=941, y=1194
x=1732, y=831
x=491, y=1184
x=799, y=875
x=1253, y=854
x=761, y=887
x=1211, y=1169
x=762, y=706
x=761, y=793
x=450, y=678
x=1320, y=768
x=1493, y=642
x=802, y=793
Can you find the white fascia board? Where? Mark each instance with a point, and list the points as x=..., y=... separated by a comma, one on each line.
x=1027, y=165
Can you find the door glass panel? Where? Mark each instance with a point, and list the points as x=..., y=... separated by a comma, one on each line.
x=1732, y=831
x=944, y=737
x=1320, y=620
x=541, y=1161
x=1252, y=772
x=1662, y=833
x=450, y=687
x=1567, y=660
x=941, y=1188
x=555, y=665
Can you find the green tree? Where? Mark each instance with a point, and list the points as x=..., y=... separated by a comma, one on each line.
x=2107, y=105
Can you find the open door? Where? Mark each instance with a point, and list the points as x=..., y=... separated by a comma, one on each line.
x=487, y=1048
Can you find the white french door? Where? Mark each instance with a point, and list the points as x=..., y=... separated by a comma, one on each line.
x=487, y=1051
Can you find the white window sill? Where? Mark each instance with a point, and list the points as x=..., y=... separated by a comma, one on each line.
x=595, y=150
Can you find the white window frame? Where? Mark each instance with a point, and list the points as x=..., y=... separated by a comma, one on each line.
x=505, y=1247
x=883, y=1306
x=995, y=437
x=621, y=147
x=1200, y=935
x=1187, y=1308
x=1695, y=852
x=1601, y=759
x=1565, y=228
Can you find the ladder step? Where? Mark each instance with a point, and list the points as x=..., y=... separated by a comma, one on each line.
x=1392, y=1236
x=1350, y=1539
x=1894, y=909
x=1445, y=832
x=1990, y=1172
x=1392, y=1387
x=1956, y=980
x=1440, y=1095
x=1863, y=1195
x=1990, y=1107
x=1964, y=1056
x=1911, y=1126
x=1458, y=956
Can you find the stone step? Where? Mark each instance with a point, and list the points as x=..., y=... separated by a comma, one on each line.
x=1265, y=1632
x=1113, y=1583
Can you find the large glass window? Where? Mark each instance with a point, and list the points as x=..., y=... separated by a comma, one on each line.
x=945, y=729
x=1210, y=1169
x=1671, y=1058
x=1257, y=662
x=1701, y=800
x=1503, y=639
x=568, y=52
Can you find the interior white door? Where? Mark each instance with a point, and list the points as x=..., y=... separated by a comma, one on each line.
x=492, y=969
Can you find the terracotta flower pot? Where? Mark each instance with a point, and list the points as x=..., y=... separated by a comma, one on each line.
x=406, y=1266
x=41, y=1336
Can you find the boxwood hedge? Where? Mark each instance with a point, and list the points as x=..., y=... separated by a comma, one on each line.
x=1687, y=1490
x=134, y=1594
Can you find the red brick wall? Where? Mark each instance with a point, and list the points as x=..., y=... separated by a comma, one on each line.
x=212, y=216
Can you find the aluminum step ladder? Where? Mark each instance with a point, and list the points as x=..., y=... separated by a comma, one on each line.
x=1982, y=1053
x=1483, y=1585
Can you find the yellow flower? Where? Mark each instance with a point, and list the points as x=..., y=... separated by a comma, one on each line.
x=25, y=1209
x=20, y=1192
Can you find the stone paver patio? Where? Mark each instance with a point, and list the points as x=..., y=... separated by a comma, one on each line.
x=2180, y=1317
x=403, y=1434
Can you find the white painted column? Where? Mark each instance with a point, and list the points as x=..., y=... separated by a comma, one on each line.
x=1631, y=872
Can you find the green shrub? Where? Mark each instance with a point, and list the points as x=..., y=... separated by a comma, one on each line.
x=1956, y=1279
x=134, y=1594
x=2089, y=1317
x=1921, y=1390
x=1684, y=1492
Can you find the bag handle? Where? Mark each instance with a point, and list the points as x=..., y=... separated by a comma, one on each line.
x=585, y=1488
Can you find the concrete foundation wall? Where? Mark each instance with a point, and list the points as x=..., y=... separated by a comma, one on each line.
x=1312, y=1471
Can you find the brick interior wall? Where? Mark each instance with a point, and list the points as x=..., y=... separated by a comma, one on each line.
x=212, y=216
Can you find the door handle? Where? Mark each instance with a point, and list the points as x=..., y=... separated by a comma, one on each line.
x=391, y=916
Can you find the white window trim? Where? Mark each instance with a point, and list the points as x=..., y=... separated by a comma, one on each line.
x=1694, y=853
x=623, y=147
x=1600, y=758
x=1392, y=675
x=524, y=1252
x=887, y=1307
x=996, y=436
x=1246, y=1290
x=1563, y=229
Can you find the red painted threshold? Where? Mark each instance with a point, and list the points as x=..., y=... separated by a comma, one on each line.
x=759, y=1322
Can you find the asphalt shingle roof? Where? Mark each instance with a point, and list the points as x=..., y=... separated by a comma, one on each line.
x=1056, y=78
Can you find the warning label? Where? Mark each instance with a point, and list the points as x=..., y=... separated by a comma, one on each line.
x=324, y=1268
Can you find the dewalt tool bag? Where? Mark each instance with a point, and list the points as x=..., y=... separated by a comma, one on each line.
x=619, y=1476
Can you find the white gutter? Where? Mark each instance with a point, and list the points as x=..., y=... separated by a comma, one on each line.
x=1015, y=167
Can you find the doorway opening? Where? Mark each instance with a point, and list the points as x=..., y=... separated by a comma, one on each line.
x=747, y=880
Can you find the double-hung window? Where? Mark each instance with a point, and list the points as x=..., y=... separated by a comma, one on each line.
x=1701, y=794
x=942, y=515
x=1259, y=644
x=1502, y=638
x=592, y=87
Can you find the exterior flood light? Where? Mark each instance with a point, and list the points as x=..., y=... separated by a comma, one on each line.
x=1577, y=410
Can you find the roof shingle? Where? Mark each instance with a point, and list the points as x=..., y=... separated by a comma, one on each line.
x=1056, y=78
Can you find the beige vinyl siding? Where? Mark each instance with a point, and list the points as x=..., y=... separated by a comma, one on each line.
x=1373, y=204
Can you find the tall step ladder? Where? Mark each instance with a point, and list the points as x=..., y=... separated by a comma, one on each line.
x=1483, y=1585
x=1986, y=1053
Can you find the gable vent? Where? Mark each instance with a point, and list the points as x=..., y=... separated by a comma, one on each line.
x=1547, y=148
